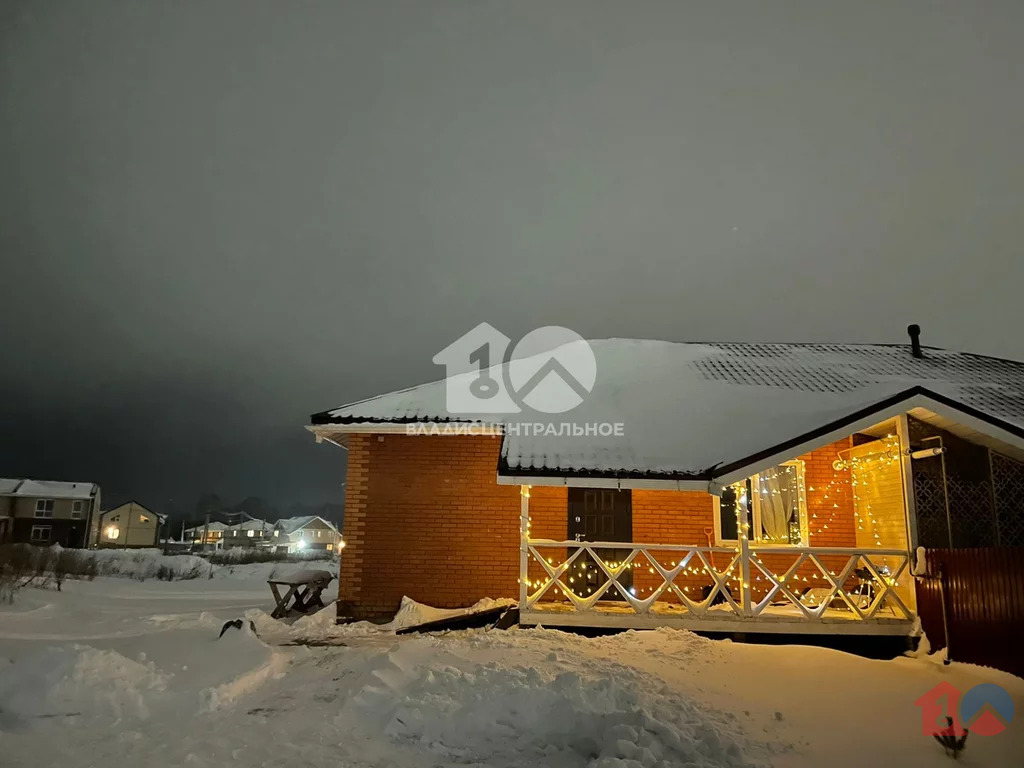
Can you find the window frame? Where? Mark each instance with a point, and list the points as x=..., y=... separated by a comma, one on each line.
x=44, y=513
x=78, y=514
x=39, y=539
x=755, y=512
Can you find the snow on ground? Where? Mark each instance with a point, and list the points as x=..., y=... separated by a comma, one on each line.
x=321, y=627
x=153, y=564
x=121, y=672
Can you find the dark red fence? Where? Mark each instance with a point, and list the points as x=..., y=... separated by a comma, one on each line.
x=983, y=592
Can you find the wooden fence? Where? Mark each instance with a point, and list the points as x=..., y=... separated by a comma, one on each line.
x=983, y=594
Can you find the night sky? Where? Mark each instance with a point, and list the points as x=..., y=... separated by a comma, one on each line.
x=219, y=217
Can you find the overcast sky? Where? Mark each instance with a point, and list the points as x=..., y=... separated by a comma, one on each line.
x=219, y=217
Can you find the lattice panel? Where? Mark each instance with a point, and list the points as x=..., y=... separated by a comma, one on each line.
x=970, y=511
x=1008, y=487
x=930, y=500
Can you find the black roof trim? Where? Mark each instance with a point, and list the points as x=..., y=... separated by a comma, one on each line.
x=710, y=474
x=864, y=412
x=324, y=417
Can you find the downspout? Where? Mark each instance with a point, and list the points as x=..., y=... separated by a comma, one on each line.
x=128, y=528
x=94, y=496
x=945, y=614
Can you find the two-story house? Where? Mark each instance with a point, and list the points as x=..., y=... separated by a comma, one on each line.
x=128, y=525
x=206, y=535
x=47, y=511
x=306, y=533
x=249, y=533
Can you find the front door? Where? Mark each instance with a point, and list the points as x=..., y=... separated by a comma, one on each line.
x=600, y=514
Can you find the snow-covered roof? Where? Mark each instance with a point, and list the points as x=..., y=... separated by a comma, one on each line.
x=214, y=526
x=47, y=489
x=250, y=525
x=689, y=408
x=291, y=524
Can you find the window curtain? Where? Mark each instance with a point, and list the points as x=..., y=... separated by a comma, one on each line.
x=777, y=496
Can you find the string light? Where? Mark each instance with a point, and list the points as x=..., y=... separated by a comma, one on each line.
x=852, y=483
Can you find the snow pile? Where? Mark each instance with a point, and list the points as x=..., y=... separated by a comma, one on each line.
x=122, y=672
x=920, y=562
x=521, y=714
x=236, y=555
x=149, y=564
x=262, y=665
x=70, y=681
x=322, y=626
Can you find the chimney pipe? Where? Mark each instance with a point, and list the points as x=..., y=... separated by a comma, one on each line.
x=915, y=340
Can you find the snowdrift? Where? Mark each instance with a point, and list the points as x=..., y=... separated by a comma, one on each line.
x=498, y=713
x=321, y=626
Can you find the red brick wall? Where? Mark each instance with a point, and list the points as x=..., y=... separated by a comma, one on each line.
x=830, y=520
x=670, y=517
x=426, y=518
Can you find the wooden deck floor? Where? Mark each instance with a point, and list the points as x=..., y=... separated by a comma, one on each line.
x=778, y=619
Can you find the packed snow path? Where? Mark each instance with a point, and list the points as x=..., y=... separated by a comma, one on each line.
x=118, y=672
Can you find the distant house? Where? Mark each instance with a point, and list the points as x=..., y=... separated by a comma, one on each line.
x=305, y=533
x=201, y=535
x=250, y=533
x=47, y=511
x=129, y=525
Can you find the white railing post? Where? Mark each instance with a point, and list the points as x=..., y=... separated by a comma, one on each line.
x=745, y=576
x=743, y=539
x=524, y=540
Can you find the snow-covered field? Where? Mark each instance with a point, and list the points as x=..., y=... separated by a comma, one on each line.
x=121, y=672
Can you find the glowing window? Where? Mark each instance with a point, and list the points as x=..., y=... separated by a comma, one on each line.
x=777, y=509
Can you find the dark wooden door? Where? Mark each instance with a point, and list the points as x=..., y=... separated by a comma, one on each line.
x=600, y=514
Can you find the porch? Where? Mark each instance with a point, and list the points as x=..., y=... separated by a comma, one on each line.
x=819, y=544
x=791, y=590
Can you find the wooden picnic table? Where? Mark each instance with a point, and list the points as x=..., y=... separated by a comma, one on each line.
x=304, y=586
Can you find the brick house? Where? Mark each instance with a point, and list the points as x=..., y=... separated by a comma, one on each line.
x=47, y=512
x=741, y=487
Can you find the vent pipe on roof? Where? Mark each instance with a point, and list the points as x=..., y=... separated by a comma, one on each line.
x=915, y=340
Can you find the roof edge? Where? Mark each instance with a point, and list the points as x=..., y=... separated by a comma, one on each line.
x=862, y=413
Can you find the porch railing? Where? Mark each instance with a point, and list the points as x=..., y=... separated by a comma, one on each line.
x=745, y=582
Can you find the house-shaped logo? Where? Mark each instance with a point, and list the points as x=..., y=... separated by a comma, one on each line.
x=473, y=378
x=985, y=709
x=550, y=370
